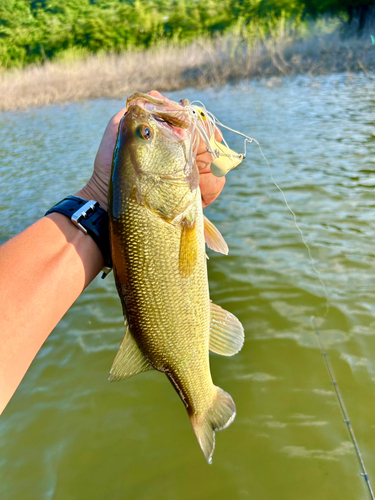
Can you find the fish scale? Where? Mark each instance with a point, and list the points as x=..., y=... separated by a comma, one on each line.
x=159, y=261
x=167, y=314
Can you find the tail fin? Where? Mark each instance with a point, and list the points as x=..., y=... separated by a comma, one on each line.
x=219, y=415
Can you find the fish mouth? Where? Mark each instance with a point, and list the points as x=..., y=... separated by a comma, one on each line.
x=171, y=117
x=174, y=121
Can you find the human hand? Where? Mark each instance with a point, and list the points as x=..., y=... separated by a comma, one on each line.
x=210, y=185
x=97, y=187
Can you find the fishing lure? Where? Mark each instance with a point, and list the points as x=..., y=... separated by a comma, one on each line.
x=224, y=158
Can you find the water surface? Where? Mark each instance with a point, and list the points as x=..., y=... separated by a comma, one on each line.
x=69, y=434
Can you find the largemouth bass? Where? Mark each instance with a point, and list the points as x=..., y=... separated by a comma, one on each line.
x=158, y=234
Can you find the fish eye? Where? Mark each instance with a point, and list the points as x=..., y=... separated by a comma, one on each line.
x=144, y=132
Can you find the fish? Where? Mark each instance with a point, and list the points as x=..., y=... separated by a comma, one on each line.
x=158, y=239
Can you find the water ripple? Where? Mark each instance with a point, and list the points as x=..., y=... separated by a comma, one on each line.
x=68, y=433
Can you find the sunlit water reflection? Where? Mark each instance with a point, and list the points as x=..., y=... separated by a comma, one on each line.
x=68, y=433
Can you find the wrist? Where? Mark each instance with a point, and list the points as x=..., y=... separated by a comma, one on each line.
x=80, y=245
x=90, y=218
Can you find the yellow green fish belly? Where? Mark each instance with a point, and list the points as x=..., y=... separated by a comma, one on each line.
x=168, y=313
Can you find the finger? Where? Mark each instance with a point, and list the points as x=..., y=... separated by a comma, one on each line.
x=110, y=133
x=202, y=148
x=210, y=187
x=107, y=144
x=117, y=117
x=218, y=134
x=155, y=93
x=204, y=161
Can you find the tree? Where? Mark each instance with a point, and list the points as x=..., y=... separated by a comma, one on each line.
x=359, y=11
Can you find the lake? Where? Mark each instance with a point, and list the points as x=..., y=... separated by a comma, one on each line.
x=70, y=434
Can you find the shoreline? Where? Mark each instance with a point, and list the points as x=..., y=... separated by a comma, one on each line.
x=201, y=64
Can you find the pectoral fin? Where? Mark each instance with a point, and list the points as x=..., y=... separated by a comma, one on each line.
x=226, y=332
x=129, y=360
x=213, y=237
x=188, y=248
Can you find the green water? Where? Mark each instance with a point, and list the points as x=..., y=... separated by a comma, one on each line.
x=69, y=434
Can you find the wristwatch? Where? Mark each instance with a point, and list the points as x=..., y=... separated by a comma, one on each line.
x=90, y=218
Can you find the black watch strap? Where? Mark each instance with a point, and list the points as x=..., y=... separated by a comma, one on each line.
x=92, y=219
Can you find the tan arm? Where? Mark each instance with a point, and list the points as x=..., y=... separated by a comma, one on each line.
x=43, y=270
x=46, y=267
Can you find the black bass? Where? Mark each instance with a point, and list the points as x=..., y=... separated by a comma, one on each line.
x=158, y=234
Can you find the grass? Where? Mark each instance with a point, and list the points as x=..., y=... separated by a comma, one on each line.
x=279, y=50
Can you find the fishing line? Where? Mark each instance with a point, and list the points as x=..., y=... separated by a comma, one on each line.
x=211, y=124
x=317, y=332
x=298, y=229
x=342, y=405
x=210, y=121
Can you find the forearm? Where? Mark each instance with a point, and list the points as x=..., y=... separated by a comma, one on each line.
x=42, y=272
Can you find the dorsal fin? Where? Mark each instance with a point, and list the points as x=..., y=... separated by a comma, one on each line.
x=226, y=332
x=129, y=360
x=213, y=237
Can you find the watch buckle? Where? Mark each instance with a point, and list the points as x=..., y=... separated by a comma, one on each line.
x=106, y=270
x=83, y=213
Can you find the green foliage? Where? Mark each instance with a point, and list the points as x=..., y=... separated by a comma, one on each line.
x=336, y=6
x=359, y=11
x=32, y=31
x=260, y=9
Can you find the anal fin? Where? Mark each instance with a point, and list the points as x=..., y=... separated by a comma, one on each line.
x=129, y=360
x=226, y=332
